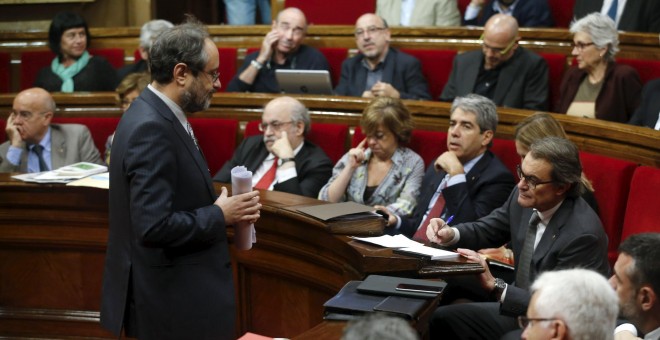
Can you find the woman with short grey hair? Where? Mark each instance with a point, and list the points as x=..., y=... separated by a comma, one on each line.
x=596, y=86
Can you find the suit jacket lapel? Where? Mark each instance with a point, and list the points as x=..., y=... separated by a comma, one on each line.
x=389, y=67
x=253, y=163
x=504, y=80
x=551, y=232
x=466, y=85
x=57, y=148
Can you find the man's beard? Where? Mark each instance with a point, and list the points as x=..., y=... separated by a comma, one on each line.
x=195, y=99
x=630, y=311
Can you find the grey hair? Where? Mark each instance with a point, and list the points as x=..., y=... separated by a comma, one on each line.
x=582, y=298
x=300, y=113
x=564, y=157
x=602, y=30
x=150, y=31
x=483, y=108
x=378, y=326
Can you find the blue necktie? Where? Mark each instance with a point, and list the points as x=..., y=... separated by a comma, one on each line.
x=38, y=149
x=612, y=11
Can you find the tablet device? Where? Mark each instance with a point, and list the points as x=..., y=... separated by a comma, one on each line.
x=304, y=81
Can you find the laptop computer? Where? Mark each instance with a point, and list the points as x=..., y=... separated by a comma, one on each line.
x=304, y=81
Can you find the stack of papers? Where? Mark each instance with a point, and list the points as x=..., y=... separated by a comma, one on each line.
x=64, y=174
x=404, y=245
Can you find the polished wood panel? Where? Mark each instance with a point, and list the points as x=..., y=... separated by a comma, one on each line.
x=53, y=241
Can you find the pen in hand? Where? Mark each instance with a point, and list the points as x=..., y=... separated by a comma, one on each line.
x=451, y=218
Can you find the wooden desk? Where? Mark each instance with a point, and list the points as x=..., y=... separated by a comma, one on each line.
x=52, y=249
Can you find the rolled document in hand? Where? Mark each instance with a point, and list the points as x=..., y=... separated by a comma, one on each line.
x=244, y=233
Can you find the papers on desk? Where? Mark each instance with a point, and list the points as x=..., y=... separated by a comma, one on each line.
x=406, y=246
x=64, y=174
x=101, y=181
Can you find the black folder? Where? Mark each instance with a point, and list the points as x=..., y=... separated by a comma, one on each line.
x=386, y=285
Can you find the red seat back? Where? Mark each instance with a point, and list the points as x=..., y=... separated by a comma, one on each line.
x=227, y=68
x=337, y=12
x=330, y=137
x=610, y=178
x=505, y=150
x=99, y=127
x=33, y=61
x=427, y=144
x=436, y=67
x=216, y=138
x=5, y=66
x=647, y=69
x=642, y=213
x=556, y=67
x=462, y=5
x=562, y=12
x=335, y=56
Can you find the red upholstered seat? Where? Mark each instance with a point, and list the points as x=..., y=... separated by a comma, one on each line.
x=556, y=67
x=335, y=56
x=99, y=127
x=436, y=66
x=642, y=210
x=427, y=144
x=562, y=12
x=227, y=68
x=505, y=150
x=216, y=138
x=33, y=61
x=337, y=12
x=610, y=178
x=330, y=137
x=4, y=72
x=647, y=68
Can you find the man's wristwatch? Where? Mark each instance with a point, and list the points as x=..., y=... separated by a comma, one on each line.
x=256, y=64
x=286, y=160
x=500, y=286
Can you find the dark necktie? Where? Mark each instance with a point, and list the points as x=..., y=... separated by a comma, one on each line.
x=613, y=9
x=38, y=149
x=522, y=275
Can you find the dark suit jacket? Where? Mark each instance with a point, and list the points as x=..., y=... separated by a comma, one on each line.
x=167, y=244
x=637, y=16
x=401, y=70
x=528, y=13
x=647, y=112
x=313, y=167
x=522, y=83
x=573, y=238
x=487, y=186
x=70, y=143
x=618, y=97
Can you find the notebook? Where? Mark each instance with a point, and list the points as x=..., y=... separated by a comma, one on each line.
x=304, y=81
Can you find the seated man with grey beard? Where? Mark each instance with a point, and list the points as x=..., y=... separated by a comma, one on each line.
x=281, y=159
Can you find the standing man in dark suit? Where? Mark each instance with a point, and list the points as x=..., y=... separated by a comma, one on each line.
x=648, y=112
x=35, y=144
x=467, y=181
x=379, y=70
x=167, y=272
x=528, y=13
x=548, y=226
x=281, y=159
x=629, y=15
x=506, y=73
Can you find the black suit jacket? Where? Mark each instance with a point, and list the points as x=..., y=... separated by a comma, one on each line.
x=401, y=70
x=528, y=13
x=487, y=186
x=313, y=166
x=647, y=112
x=573, y=238
x=522, y=83
x=167, y=245
x=638, y=15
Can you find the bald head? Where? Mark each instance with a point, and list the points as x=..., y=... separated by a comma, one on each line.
x=500, y=40
x=292, y=14
x=370, y=18
x=502, y=24
x=37, y=96
x=32, y=111
x=372, y=37
x=285, y=114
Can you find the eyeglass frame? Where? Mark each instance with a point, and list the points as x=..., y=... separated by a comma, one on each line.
x=371, y=30
x=214, y=74
x=501, y=51
x=524, y=321
x=533, y=182
x=580, y=46
x=275, y=125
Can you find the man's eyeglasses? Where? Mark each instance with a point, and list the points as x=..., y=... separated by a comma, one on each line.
x=530, y=180
x=371, y=30
x=580, y=46
x=214, y=75
x=524, y=321
x=276, y=126
x=501, y=51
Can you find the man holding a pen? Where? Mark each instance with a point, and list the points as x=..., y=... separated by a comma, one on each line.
x=548, y=225
x=467, y=181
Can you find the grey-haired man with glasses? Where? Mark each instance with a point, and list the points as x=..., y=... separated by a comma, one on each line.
x=379, y=70
x=501, y=70
x=281, y=159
